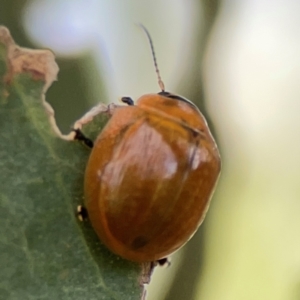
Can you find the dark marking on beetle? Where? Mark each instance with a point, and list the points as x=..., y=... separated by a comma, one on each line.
x=176, y=97
x=139, y=242
x=82, y=138
x=193, y=154
x=172, y=96
x=127, y=100
x=195, y=132
x=121, y=133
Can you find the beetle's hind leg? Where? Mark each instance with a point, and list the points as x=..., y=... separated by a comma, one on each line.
x=163, y=262
x=82, y=138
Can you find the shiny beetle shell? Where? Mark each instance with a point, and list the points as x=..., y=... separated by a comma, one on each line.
x=150, y=177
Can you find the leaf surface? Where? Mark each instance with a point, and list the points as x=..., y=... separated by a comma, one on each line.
x=45, y=252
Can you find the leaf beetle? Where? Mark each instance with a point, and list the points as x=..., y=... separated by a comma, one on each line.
x=151, y=174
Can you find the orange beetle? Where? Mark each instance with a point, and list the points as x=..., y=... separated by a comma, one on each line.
x=150, y=176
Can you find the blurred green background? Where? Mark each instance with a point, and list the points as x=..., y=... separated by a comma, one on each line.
x=240, y=62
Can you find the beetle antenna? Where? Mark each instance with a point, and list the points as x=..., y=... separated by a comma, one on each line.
x=160, y=82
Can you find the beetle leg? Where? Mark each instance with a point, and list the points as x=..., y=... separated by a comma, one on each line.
x=164, y=262
x=82, y=213
x=127, y=100
x=82, y=138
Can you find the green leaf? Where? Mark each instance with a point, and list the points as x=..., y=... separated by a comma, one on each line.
x=45, y=252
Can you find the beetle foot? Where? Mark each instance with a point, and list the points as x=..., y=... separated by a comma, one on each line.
x=82, y=213
x=127, y=100
x=164, y=262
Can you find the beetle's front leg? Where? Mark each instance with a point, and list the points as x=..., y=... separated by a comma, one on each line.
x=82, y=138
x=82, y=213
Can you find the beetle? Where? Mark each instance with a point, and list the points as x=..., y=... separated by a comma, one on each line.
x=151, y=174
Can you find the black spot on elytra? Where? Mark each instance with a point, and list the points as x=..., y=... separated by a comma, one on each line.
x=139, y=242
